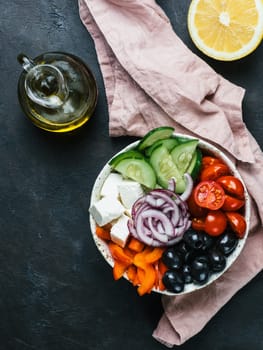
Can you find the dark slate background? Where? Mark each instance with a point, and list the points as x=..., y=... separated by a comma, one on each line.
x=56, y=291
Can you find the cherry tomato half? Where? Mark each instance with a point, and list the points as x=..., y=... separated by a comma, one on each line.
x=232, y=203
x=215, y=223
x=198, y=224
x=237, y=223
x=232, y=185
x=209, y=194
x=195, y=210
x=213, y=172
x=208, y=160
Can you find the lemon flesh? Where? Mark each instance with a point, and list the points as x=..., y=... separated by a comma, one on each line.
x=226, y=29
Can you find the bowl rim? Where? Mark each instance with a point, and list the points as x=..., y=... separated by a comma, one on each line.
x=209, y=148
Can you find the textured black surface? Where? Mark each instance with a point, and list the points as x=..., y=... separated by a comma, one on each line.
x=56, y=291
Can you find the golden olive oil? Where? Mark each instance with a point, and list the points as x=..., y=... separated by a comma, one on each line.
x=53, y=107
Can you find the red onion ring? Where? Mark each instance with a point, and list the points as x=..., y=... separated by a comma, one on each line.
x=188, y=188
x=161, y=217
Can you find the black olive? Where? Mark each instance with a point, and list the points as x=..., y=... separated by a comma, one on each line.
x=193, y=238
x=173, y=281
x=172, y=259
x=191, y=255
x=186, y=271
x=182, y=248
x=208, y=241
x=200, y=269
x=202, y=259
x=217, y=260
x=227, y=243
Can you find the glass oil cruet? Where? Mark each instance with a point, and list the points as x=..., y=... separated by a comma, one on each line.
x=57, y=91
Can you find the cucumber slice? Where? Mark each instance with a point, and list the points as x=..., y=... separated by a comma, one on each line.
x=195, y=165
x=138, y=170
x=165, y=169
x=124, y=155
x=163, y=132
x=169, y=143
x=182, y=139
x=183, y=154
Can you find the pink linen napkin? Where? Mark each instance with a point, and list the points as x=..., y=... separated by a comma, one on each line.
x=152, y=79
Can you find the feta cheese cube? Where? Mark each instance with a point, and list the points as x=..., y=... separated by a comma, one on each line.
x=119, y=231
x=106, y=210
x=129, y=192
x=110, y=185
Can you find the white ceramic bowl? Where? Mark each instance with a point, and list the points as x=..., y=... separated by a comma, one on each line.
x=207, y=148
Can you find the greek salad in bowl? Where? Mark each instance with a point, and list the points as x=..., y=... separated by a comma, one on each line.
x=170, y=213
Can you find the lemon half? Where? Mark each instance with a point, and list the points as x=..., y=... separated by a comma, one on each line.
x=226, y=30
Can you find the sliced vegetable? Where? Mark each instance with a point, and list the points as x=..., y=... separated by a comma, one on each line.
x=136, y=245
x=188, y=187
x=213, y=172
x=195, y=164
x=195, y=210
x=139, y=258
x=208, y=160
x=140, y=276
x=209, y=194
x=132, y=275
x=119, y=269
x=147, y=271
x=169, y=143
x=232, y=185
x=154, y=255
x=154, y=135
x=119, y=254
x=125, y=155
x=138, y=170
x=182, y=154
x=159, y=218
x=181, y=139
x=148, y=280
x=166, y=169
x=198, y=224
x=232, y=203
x=237, y=223
x=103, y=233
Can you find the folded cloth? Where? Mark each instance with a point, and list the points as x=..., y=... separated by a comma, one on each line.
x=152, y=79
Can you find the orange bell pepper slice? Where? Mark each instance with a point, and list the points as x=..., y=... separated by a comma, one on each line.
x=154, y=255
x=156, y=269
x=119, y=269
x=103, y=233
x=140, y=262
x=148, y=281
x=136, y=245
x=132, y=275
x=129, y=252
x=162, y=268
x=139, y=258
x=145, y=270
x=119, y=254
x=140, y=274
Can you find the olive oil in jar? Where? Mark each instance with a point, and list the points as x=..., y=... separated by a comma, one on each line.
x=57, y=91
